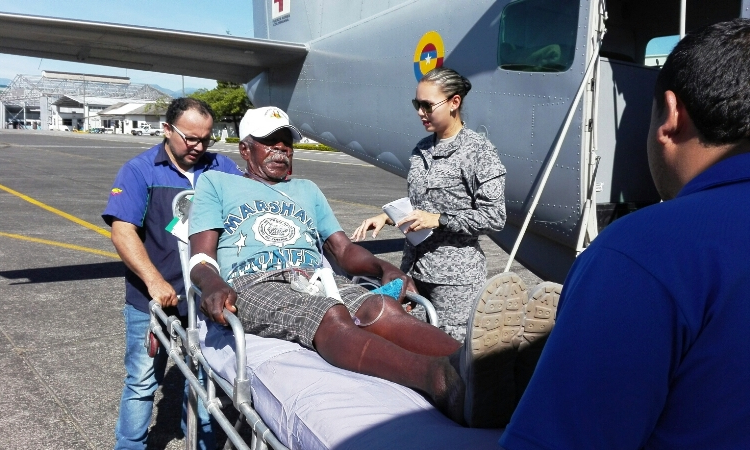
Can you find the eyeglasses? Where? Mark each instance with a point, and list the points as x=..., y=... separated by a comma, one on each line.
x=193, y=141
x=426, y=106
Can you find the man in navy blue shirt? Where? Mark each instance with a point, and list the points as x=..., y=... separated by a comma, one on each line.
x=651, y=346
x=138, y=210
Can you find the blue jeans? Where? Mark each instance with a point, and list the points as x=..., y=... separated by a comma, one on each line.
x=144, y=375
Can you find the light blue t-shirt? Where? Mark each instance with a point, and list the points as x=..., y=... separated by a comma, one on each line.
x=264, y=227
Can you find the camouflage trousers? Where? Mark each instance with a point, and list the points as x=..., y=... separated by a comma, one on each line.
x=452, y=304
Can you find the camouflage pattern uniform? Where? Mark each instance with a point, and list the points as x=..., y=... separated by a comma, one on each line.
x=464, y=179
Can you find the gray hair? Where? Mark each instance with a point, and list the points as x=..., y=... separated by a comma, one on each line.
x=449, y=82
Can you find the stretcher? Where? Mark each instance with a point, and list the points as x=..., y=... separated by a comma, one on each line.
x=289, y=396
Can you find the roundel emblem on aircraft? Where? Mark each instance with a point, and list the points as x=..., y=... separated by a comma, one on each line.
x=428, y=54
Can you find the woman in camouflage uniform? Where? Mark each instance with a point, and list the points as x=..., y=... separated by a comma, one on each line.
x=456, y=185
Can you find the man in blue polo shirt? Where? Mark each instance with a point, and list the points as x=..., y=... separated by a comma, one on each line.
x=651, y=346
x=138, y=210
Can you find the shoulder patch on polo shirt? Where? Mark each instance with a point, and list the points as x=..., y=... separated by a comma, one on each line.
x=116, y=191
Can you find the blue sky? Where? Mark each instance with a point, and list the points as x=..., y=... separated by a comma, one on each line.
x=215, y=17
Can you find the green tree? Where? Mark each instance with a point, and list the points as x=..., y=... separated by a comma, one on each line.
x=228, y=100
x=159, y=106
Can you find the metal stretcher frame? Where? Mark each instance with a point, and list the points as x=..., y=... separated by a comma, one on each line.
x=184, y=349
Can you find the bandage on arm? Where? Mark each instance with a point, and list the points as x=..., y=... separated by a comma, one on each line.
x=202, y=258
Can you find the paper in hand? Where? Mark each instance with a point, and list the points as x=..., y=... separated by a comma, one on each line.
x=396, y=211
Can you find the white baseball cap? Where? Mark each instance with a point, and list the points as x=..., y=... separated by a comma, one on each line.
x=261, y=122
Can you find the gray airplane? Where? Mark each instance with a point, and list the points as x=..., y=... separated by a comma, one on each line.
x=559, y=86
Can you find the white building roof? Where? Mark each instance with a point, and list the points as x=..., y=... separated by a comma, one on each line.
x=68, y=100
x=122, y=110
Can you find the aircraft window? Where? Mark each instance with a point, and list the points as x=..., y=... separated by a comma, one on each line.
x=538, y=35
x=659, y=48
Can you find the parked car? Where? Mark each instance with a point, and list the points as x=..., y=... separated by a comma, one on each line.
x=146, y=129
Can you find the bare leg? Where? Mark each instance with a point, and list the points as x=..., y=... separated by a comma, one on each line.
x=401, y=328
x=345, y=345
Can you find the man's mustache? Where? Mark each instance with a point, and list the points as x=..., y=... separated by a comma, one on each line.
x=278, y=158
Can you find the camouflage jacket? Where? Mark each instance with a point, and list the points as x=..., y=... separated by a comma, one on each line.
x=465, y=180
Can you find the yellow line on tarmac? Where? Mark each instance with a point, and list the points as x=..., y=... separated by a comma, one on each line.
x=61, y=244
x=75, y=219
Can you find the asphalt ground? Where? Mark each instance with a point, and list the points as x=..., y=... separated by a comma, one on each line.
x=62, y=286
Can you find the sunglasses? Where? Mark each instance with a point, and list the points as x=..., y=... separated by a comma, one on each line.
x=193, y=141
x=426, y=106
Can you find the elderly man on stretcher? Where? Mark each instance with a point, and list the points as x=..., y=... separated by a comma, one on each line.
x=268, y=233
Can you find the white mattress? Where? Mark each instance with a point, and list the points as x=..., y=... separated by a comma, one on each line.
x=310, y=404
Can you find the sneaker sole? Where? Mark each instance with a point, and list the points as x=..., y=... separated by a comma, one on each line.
x=540, y=314
x=539, y=320
x=487, y=363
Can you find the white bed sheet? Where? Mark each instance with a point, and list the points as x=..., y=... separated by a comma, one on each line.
x=309, y=404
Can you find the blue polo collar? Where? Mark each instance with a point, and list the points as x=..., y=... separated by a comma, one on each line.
x=731, y=170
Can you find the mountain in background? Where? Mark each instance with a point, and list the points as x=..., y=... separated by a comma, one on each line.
x=6, y=82
x=174, y=94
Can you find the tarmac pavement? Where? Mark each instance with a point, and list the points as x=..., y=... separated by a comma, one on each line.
x=62, y=287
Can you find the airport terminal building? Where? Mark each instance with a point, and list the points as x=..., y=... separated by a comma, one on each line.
x=73, y=101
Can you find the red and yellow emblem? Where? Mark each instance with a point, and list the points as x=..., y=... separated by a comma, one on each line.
x=429, y=54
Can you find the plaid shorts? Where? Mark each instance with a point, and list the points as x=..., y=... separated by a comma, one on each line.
x=271, y=308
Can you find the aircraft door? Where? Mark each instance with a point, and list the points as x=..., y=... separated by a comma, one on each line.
x=542, y=58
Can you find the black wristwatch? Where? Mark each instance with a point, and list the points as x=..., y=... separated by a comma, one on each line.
x=443, y=220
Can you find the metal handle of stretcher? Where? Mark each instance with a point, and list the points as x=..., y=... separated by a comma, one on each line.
x=430, y=313
x=432, y=316
x=240, y=390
